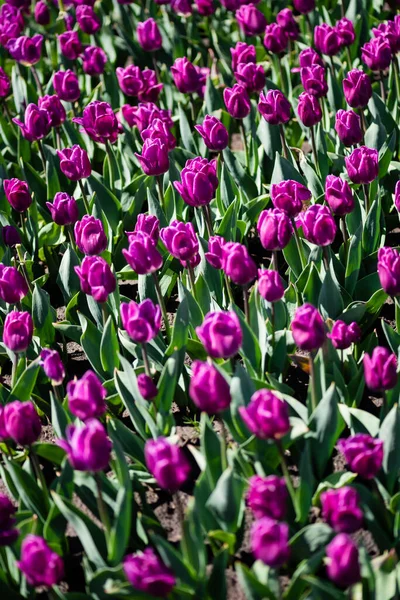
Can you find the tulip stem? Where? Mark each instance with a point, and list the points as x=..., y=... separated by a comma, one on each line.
x=229, y=289
x=283, y=142
x=161, y=302
x=396, y=76
x=14, y=370
x=71, y=236
x=345, y=236
x=191, y=279
x=348, y=56
x=224, y=458
x=241, y=125
x=155, y=66
x=298, y=244
x=160, y=192
x=325, y=258
x=56, y=389
x=286, y=474
x=207, y=220
x=314, y=150
x=101, y=507
x=37, y=80
x=181, y=516
x=23, y=268
x=397, y=313
x=382, y=86
x=313, y=383
x=39, y=473
x=275, y=262
x=146, y=360
x=273, y=323
x=84, y=197
x=23, y=225
x=366, y=194
x=384, y=406
x=281, y=77
x=246, y=303
x=104, y=313
x=9, y=118
x=40, y=146
x=363, y=121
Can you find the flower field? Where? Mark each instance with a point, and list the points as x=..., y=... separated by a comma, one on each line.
x=199, y=300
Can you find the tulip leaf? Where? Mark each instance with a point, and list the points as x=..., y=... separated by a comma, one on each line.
x=109, y=347
x=389, y=433
x=43, y=316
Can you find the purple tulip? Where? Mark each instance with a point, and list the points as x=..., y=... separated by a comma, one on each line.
x=55, y=109
x=286, y=20
x=343, y=335
x=289, y=196
x=64, y=209
x=397, y=196
x=267, y=497
x=185, y=75
x=319, y=225
x=22, y=422
x=17, y=194
x=327, y=39
x=214, y=256
x=88, y=447
x=341, y=509
x=304, y=6
x=380, y=369
x=343, y=564
x=231, y=5
x=182, y=7
x=270, y=285
x=309, y=110
x=17, y=331
x=313, y=80
x=308, y=328
x=309, y=58
x=141, y=321
x=198, y=181
x=13, y=286
x=242, y=53
x=251, y=76
x=357, y=88
x=214, y=133
x=274, y=228
x=159, y=129
x=237, y=101
x=208, y=389
x=5, y=84
x=143, y=115
x=154, y=159
x=338, y=195
x=147, y=387
x=363, y=454
x=274, y=107
x=238, y=264
x=89, y=235
x=66, y=85
x=377, y=54
x=10, y=235
x=99, y=122
x=142, y=255
x=42, y=13
x=150, y=88
x=270, y=541
x=70, y=44
x=348, y=127
x=40, y=565
x=220, y=334
x=181, y=241
x=167, y=463
x=362, y=165
x=205, y=7
x=86, y=397
x=26, y=50
x=389, y=270
x=251, y=21
x=37, y=123
x=345, y=28
x=276, y=38
x=94, y=60
x=52, y=365
x=130, y=80
x=8, y=533
x=147, y=573
x=390, y=32
x=149, y=36
x=97, y=279
x=148, y=224
x=267, y=416
x=87, y=19
x=74, y=163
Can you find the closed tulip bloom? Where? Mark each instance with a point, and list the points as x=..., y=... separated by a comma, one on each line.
x=276, y=38
x=348, y=127
x=167, y=463
x=159, y=129
x=242, y=53
x=346, y=31
x=238, y=264
x=5, y=84
x=341, y=509
x=17, y=194
x=130, y=80
x=185, y=75
x=270, y=541
x=26, y=50
x=327, y=39
x=52, y=365
x=343, y=335
x=309, y=58
x=10, y=236
x=141, y=321
x=354, y=332
x=389, y=31
x=89, y=235
x=380, y=369
x=267, y=497
x=94, y=60
x=55, y=109
x=142, y=254
x=343, y=561
x=338, y=195
x=397, y=196
x=22, y=422
x=313, y=80
x=214, y=133
x=86, y=397
x=17, y=331
x=147, y=387
x=357, y=88
x=96, y=278
x=181, y=241
x=143, y=115
x=267, y=416
x=389, y=270
x=198, y=181
x=363, y=454
x=274, y=228
x=66, y=85
x=208, y=389
x=237, y=101
x=74, y=163
x=319, y=225
x=304, y=6
x=220, y=334
x=286, y=20
x=148, y=224
x=377, y=54
x=251, y=76
x=274, y=107
x=64, y=209
x=308, y=328
x=154, y=159
x=205, y=7
x=37, y=123
x=251, y=21
x=9, y=31
x=289, y=196
x=270, y=285
x=8, y=533
x=182, y=7
x=362, y=165
x=87, y=446
x=70, y=44
x=13, y=286
x=151, y=88
x=309, y=110
x=87, y=19
x=99, y=122
x=214, y=256
x=149, y=36
x=39, y=563
x=147, y=573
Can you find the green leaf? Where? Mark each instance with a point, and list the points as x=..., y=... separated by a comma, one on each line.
x=324, y=422
x=173, y=559
x=389, y=433
x=330, y=299
x=29, y=491
x=353, y=260
x=91, y=343
x=334, y=481
x=50, y=452
x=211, y=448
x=43, y=316
x=180, y=330
x=240, y=176
x=121, y=527
x=109, y=347
x=226, y=502
x=131, y=443
x=283, y=169
x=309, y=540
x=168, y=381
x=109, y=203
x=254, y=589
x=372, y=230
x=59, y=417
x=186, y=132
x=67, y=279
x=26, y=382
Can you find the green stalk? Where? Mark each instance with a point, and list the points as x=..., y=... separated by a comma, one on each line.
x=84, y=197
x=161, y=302
x=101, y=507
x=299, y=246
x=313, y=383
x=146, y=360
x=286, y=474
x=246, y=149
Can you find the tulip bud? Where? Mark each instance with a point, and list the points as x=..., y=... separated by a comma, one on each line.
x=345, y=28
x=26, y=50
x=327, y=39
x=181, y=241
x=144, y=114
x=341, y=509
x=94, y=60
x=267, y=416
x=130, y=80
x=319, y=226
x=70, y=44
x=13, y=286
x=99, y=122
x=97, y=279
x=149, y=36
x=251, y=21
x=8, y=533
x=88, y=447
x=198, y=181
x=151, y=89
x=55, y=109
x=238, y=264
x=313, y=80
x=148, y=574
x=267, y=497
x=17, y=331
x=167, y=463
x=270, y=541
x=159, y=129
x=363, y=454
x=66, y=85
x=64, y=210
x=11, y=235
x=5, y=83
x=338, y=195
x=142, y=254
x=242, y=53
x=304, y=6
x=343, y=335
x=343, y=561
x=86, y=397
x=380, y=370
x=52, y=365
x=214, y=133
x=146, y=386
x=40, y=565
x=286, y=20
x=17, y=194
x=89, y=235
x=274, y=229
x=362, y=165
x=154, y=159
x=348, y=127
x=214, y=256
x=182, y=7
x=142, y=321
x=87, y=19
x=185, y=75
x=221, y=334
x=390, y=32
x=276, y=38
x=289, y=196
x=397, y=196
x=377, y=54
x=309, y=110
x=208, y=389
x=309, y=58
x=251, y=76
x=357, y=88
x=22, y=422
x=42, y=13
x=74, y=163
x=37, y=123
x=308, y=328
x=237, y=101
x=148, y=224
x=274, y=107
x=270, y=285
x=389, y=270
